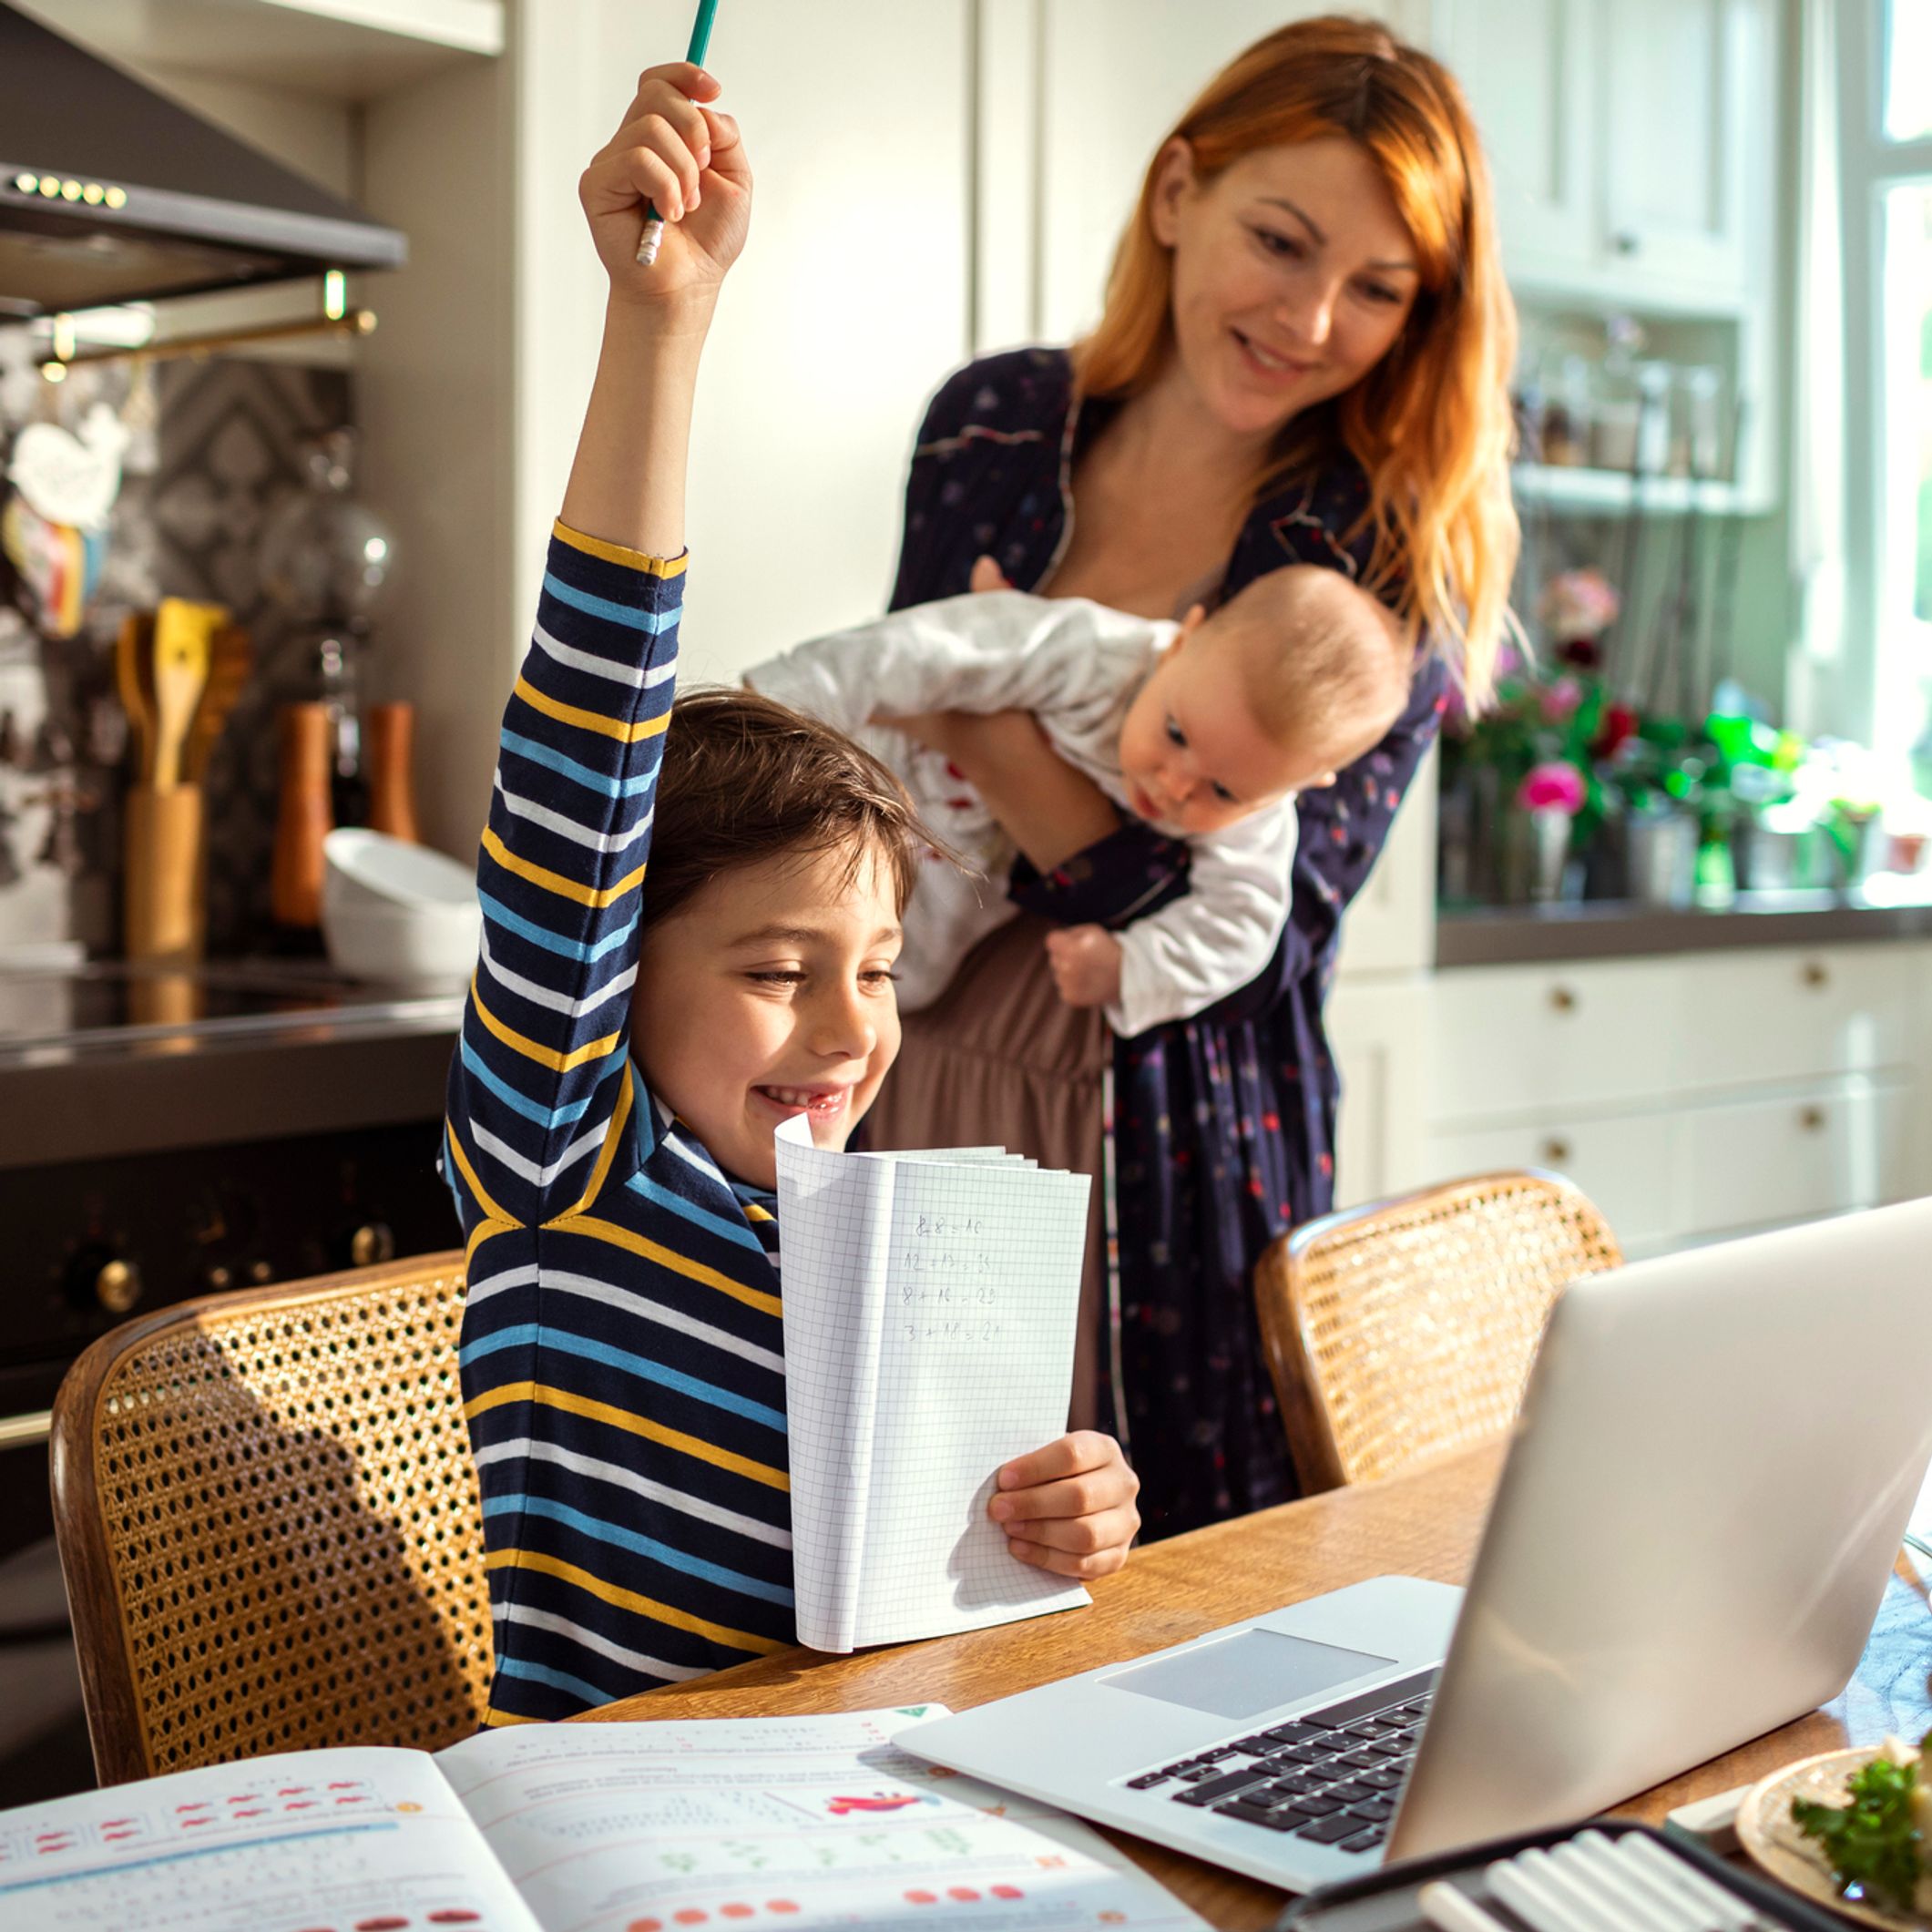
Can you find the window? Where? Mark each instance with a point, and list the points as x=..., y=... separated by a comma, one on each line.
x=1885, y=102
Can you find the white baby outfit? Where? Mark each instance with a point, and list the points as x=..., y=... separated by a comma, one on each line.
x=1077, y=666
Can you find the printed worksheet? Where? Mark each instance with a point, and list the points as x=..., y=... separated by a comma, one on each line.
x=311, y=1841
x=782, y=1825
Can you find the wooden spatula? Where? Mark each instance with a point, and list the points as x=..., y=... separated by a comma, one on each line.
x=183, y=639
x=230, y=659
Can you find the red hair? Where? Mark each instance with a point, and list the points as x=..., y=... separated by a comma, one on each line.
x=1430, y=423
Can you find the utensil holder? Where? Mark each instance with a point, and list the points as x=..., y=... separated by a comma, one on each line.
x=163, y=904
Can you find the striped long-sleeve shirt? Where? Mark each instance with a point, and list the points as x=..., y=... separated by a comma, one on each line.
x=622, y=1367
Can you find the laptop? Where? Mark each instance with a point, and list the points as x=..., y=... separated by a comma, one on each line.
x=1703, y=1497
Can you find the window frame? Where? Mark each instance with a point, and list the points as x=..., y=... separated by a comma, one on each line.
x=1887, y=673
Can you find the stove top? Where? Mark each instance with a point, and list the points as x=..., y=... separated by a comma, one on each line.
x=111, y=1006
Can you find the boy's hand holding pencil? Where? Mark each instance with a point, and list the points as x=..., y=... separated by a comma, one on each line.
x=679, y=154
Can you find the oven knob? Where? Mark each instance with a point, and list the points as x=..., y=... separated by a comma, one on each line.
x=371, y=1243
x=117, y=1286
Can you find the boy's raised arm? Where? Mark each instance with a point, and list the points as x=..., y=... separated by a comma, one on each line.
x=626, y=484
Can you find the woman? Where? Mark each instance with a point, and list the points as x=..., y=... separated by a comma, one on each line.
x=1304, y=358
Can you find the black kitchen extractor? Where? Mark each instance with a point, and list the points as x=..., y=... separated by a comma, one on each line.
x=110, y=192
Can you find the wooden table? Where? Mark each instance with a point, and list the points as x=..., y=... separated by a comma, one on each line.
x=1422, y=1526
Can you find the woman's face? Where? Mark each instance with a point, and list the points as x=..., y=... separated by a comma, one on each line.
x=1293, y=275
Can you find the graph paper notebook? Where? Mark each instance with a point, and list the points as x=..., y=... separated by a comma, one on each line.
x=787, y=1823
x=930, y=1307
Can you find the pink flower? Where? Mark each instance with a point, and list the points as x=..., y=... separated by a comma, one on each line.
x=1560, y=699
x=1577, y=604
x=1552, y=785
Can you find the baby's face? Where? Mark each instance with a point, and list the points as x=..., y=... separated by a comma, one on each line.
x=1191, y=753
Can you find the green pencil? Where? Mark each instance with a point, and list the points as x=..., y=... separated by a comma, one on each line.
x=652, y=236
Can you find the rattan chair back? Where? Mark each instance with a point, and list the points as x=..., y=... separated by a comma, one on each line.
x=269, y=1524
x=1404, y=1330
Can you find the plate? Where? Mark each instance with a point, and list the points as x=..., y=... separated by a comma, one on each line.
x=1764, y=1828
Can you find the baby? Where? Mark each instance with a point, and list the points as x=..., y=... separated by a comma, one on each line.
x=1206, y=729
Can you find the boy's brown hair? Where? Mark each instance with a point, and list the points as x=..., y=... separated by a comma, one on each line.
x=746, y=779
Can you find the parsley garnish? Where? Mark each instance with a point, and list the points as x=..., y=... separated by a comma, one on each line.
x=1873, y=1843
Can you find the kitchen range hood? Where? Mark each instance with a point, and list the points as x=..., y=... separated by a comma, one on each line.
x=109, y=192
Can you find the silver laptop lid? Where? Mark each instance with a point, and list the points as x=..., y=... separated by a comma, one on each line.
x=1716, y=1457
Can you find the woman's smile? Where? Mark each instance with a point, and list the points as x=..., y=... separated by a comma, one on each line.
x=1270, y=364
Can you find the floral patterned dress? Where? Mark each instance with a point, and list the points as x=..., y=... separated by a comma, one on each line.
x=1224, y=1127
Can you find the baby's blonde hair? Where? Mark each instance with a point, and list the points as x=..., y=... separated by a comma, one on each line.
x=1324, y=663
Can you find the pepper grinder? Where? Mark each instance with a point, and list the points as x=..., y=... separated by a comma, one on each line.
x=391, y=789
x=303, y=818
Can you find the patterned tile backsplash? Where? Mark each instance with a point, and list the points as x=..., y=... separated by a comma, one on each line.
x=217, y=445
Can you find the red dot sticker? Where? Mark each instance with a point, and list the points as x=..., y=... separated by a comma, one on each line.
x=1006, y=1891
x=734, y=1911
x=964, y=1893
x=691, y=1916
x=645, y=1925
x=922, y=1898
x=780, y=1904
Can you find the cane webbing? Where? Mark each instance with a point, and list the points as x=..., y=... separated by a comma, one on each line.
x=1403, y=1332
x=288, y=1517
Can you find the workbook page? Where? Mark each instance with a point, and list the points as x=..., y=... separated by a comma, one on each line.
x=304, y=1840
x=782, y=1825
x=976, y=1362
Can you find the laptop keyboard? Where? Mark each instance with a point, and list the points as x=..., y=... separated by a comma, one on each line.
x=1329, y=1776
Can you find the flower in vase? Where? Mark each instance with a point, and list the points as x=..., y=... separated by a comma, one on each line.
x=1553, y=785
x=1558, y=702
x=1577, y=605
x=1618, y=727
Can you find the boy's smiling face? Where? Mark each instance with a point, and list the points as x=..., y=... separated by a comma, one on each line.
x=769, y=994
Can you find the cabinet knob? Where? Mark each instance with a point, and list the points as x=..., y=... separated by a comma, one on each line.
x=1562, y=1000
x=1816, y=973
x=1812, y=1119
x=1624, y=243
x=117, y=1286
x=1556, y=1150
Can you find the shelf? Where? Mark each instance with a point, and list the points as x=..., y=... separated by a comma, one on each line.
x=1616, y=493
x=345, y=50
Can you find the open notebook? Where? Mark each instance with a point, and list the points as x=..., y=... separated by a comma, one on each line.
x=930, y=1301
x=782, y=1825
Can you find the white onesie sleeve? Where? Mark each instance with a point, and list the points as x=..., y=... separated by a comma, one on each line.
x=1221, y=933
x=994, y=652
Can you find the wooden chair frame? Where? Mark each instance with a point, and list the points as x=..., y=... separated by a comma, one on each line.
x=1284, y=1279
x=292, y=1545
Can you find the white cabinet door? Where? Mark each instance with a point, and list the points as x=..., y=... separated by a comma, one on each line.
x=1687, y=86
x=1527, y=68
x=1376, y=1029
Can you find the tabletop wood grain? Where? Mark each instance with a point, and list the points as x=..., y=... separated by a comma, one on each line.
x=1425, y=1525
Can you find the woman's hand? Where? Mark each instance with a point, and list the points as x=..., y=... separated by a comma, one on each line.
x=1070, y=1506
x=687, y=159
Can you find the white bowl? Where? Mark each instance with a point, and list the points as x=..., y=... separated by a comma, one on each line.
x=373, y=870
x=415, y=945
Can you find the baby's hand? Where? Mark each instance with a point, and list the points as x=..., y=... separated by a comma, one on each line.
x=1085, y=962
x=1070, y=1506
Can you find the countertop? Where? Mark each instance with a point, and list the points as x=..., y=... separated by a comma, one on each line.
x=109, y=1059
x=1888, y=907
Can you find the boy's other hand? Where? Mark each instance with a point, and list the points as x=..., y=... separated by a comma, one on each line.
x=1086, y=963
x=687, y=158
x=987, y=576
x=1070, y=1506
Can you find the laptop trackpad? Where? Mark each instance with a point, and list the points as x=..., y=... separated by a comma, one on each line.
x=1254, y=1669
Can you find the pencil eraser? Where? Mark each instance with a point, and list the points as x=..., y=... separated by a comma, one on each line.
x=1708, y=1822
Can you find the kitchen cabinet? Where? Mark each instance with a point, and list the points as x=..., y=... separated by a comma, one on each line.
x=1691, y=1097
x=1633, y=145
